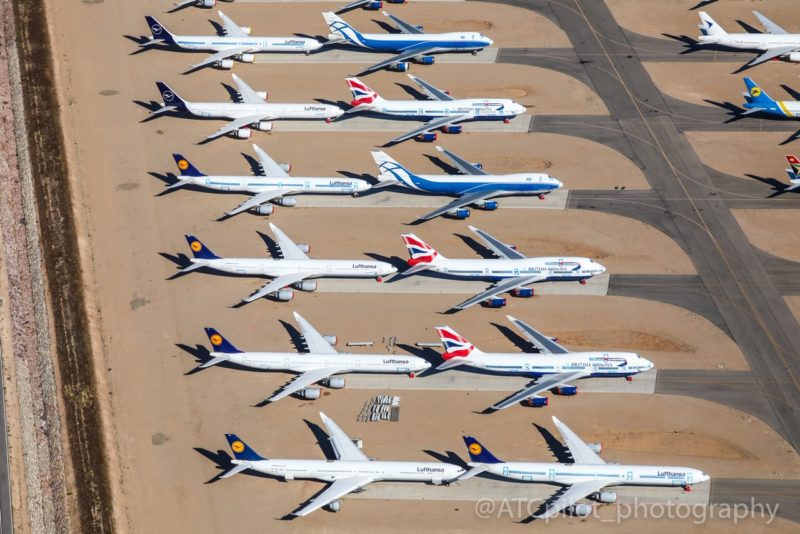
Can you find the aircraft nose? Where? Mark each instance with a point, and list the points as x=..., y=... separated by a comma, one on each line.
x=557, y=183
x=337, y=111
x=489, y=42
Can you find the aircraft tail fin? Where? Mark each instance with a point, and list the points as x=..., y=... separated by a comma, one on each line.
x=420, y=253
x=171, y=98
x=794, y=168
x=219, y=343
x=390, y=170
x=199, y=250
x=341, y=30
x=455, y=345
x=185, y=167
x=159, y=32
x=364, y=98
x=756, y=96
x=709, y=26
x=241, y=450
x=479, y=453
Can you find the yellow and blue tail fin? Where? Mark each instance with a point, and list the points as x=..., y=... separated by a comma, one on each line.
x=241, y=450
x=478, y=453
x=185, y=166
x=219, y=343
x=199, y=250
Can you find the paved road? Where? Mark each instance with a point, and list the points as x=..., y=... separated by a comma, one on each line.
x=773, y=492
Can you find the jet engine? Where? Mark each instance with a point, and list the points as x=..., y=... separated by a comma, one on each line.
x=263, y=126
x=401, y=66
x=452, y=129
x=208, y=3
x=309, y=393
x=246, y=58
x=523, y=292
x=566, y=391
x=580, y=510
x=245, y=29
x=263, y=209
x=334, y=382
x=286, y=201
x=284, y=295
x=461, y=213
x=305, y=248
x=262, y=95
x=334, y=506
x=332, y=340
x=607, y=497
x=794, y=56
x=487, y=205
x=226, y=64
x=242, y=133
x=425, y=60
x=307, y=285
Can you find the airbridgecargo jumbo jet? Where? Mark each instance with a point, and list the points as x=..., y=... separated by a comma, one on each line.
x=553, y=367
x=321, y=364
x=350, y=472
x=234, y=44
x=252, y=112
x=776, y=43
x=587, y=476
x=512, y=270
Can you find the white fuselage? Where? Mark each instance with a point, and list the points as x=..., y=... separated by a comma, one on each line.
x=330, y=470
x=365, y=268
x=753, y=41
x=476, y=108
x=300, y=363
x=554, y=268
x=615, y=474
x=229, y=110
x=599, y=364
x=287, y=185
x=252, y=44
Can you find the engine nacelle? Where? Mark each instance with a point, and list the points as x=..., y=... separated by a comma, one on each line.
x=305, y=248
x=487, y=205
x=226, y=64
x=400, y=66
x=288, y=202
x=461, y=213
x=287, y=477
x=452, y=129
x=334, y=382
x=425, y=60
x=309, y=393
x=580, y=510
x=597, y=448
x=246, y=58
x=523, y=292
x=428, y=137
x=566, y=391
x=536, y=402
x=307, y=285
x=263, y=209
x=495, y=302
x=208, y=3
x=245, y=29
x=242, y=133
x=263, y=95
x=436, y=481
x=794, y=56
x=332, y=340
x=287, y=167
x=334, y=506
x=607, y=497
x=263, y=126
x=284, y=295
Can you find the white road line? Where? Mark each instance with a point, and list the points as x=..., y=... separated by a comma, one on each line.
x=488, y=55
x=387, y=199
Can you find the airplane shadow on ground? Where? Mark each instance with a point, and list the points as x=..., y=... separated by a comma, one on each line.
x=778, y=187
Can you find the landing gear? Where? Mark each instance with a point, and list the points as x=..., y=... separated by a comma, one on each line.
x=629, y=378
x=541, y=197
x=412, y=375
x=474, y=52
x=379, y=279
x=687, y=488
x=506, y=121
x=583, y=282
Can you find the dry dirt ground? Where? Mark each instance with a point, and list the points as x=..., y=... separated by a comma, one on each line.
x=770, y=231
x=765, y=159
x=159, y=415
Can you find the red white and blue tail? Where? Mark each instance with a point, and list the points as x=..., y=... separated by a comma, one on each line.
x=456, y=348
x=364, y=98
x=420, y=253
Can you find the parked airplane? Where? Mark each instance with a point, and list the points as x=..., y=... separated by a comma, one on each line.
x=473, y=187
x=199, y=3
x=252, y=112
x=512, y=270
x=321, y=364
x=442, y=111
x=369, y=5
x=587, y=476
x=293, y=271
x=793, y=173
x=412, y=43
x=553, y=366
x=348, y=473
x=757, y=100
x=776, y=43
x=234, y=44
x=271, y=185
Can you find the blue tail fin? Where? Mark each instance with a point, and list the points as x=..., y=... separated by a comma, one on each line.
x=241, y=451
x=219, y=343
x=186, y=168
x=757, y=96
x=479, y=453
x=199, y=250
x=159, y=32
x=170, y=97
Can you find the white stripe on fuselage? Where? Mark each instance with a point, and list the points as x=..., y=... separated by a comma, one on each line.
x=612, y=363
x=552, y=267
x=227, y=110
x=285, y=184
x=476, y=107
x=255, y=44
x=365, y=268
x=299, y=363
x=327, y=471
x=615, y=474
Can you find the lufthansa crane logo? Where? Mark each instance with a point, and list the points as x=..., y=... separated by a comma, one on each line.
x=156, y=29
x=237, y=446
x=216, y=340
x=196, y=246
x=475, y=449
x=183, y=164
x=755, y=91
x=168, y=96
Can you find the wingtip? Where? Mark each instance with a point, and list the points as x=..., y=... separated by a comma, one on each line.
x=440, y=149
x=556, y=420
x=272, y=227
x=472, y=228
x=511, y=318
x=297, y=316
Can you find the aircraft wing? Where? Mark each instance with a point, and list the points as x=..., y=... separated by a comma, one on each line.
x=549, y=382
x=179, y=5
x=580, y=452
x=314, y=340
x=240, y=123
x=772, y=53
x=302, y=381
x=539, y=340
x=342, y=444
x=476, y=469
x=246, y=92
x=770, y=26
x=219, y=56
x=431, y=125
x=464, y=200
x=275, y=285
x=269, y=166
x=231, y=28
x=403, y=26
x=335, y=491
x=255, y=200
x=289, y=250
x=573, y=494
x=501, y=287
x=498, y=247
x=461, y=164
x=408, y=53
x=433, y=92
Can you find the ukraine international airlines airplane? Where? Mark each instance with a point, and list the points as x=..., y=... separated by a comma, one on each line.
x=512, y=270
x=350, y=472
x=271, y=185
x=586, y=477
x=292, y=271
x=553, y=366
x=442, y=111
x=473, y=187
x=776, y=43
x=252, y=112
x=234, y=44
x=319, y=365
x=411, y=43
